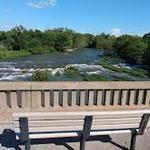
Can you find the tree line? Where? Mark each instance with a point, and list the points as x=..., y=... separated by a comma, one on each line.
x=134, y=49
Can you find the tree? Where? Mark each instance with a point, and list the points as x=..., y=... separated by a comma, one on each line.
x=7, y=40
x=80, y=41
x=17, y=33
x=90, y=40
x=146, y=57
x=146, y=39
x=61, y=42
x=130, y=48
x=104, y=41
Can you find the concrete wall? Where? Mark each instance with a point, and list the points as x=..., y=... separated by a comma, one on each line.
x=71, y=96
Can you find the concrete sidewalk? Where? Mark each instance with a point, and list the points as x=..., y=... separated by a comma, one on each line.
x=113, y=142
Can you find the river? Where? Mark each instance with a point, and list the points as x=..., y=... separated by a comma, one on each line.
x=86, y=60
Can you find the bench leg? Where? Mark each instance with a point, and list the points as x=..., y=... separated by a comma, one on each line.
x=24, y=132
x=142, y=127
x=86, y=131
x=27, y=145
x=82, y=144
x=133, y=141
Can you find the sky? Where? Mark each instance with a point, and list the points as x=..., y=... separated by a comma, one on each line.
x=86, y=16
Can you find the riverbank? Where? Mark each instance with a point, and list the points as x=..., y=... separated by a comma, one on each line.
x=118, y=65
x=7, y=54
x=13, y=54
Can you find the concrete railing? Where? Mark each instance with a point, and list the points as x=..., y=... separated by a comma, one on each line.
x=71, y=96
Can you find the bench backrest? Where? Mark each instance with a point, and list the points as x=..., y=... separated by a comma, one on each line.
x=73, y=121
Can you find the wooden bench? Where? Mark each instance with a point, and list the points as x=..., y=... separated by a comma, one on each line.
x=80, y=124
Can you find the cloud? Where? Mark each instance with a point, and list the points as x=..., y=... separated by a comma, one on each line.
x=5, y=10
x=42, y=3
x=5, y=27
x=116, y=32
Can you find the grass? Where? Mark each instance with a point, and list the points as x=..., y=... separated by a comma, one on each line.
x=133, y=72
x=41, y=75
x=8, y=54
x=72, y=72
x=122, y=78
x=136, y=72
x=94, y=77
x=13, y=54
x=106, y=62
x=113, y=68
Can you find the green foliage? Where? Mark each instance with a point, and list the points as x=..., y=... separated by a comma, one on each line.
x=80, y=41
x=13, y=54
x=94, y=77
x=113, y=68
x=58, y=73
x=146, y=39
x=25, y=71
x=38, y=42
x=134, y=71
x=41, y=75
x=110, y=60
x=130, y=48
x=104, y=41
x=2, y=47
x=42, y=50
x=122, y=78
x=72, y=72
x=133, y=49
x=146, y=56
x=107, y=62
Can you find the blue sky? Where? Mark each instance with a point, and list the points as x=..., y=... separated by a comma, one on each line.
x=93, y=16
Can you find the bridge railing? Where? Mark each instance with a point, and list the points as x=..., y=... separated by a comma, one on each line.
x=71, y=96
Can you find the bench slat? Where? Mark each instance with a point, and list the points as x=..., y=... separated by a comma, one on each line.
x=77, y=117
x=73, y=134
x=79, y=128
x=81, y=114
x=51, y=123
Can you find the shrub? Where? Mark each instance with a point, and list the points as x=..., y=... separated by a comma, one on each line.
x=94, y=77
x=24, y=71
x=72, y=72
x=58, y=73
x=113, y=68
x=42, y=50
x=2, y=47
x=122, y=78
x=134, y=71
x=41, y=75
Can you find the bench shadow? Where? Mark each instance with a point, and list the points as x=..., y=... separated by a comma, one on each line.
x=8, y=140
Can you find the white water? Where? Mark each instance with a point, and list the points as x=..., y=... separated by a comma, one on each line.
x=18, y=74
